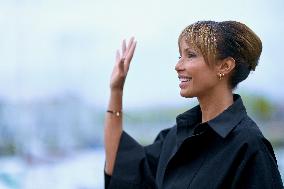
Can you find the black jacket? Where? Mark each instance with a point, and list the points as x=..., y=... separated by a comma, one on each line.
x=228, y=151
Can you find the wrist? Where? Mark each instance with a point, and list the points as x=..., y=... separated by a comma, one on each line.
x=115, y=113
x=116, y=91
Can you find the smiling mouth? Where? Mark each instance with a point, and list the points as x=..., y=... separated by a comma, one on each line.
x=184, y=78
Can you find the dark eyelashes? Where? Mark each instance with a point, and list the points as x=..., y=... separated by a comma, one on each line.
x=190, y=55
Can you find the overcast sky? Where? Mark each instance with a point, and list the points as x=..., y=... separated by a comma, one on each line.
x=52, y=47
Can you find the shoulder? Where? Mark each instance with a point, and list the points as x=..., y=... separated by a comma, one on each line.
x=165, y=132
x=247, y=133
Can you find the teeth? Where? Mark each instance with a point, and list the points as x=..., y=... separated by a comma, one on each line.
x=184, y=79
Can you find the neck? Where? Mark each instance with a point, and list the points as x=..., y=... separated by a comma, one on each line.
x=215, y=103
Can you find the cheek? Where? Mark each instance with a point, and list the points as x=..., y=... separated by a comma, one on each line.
x=204, y=78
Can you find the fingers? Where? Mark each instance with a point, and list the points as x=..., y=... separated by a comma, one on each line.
x=130, y=49
x=123, y=60
x=130, y=43
x=119, y=61
x=117, y=56
x=123, y=48
x=129, y=55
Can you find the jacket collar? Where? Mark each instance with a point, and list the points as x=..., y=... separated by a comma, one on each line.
x=222, y=124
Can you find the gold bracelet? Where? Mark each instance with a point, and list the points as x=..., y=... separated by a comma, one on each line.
x=116, y=113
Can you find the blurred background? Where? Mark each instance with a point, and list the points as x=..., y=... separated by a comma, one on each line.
x=56, y=57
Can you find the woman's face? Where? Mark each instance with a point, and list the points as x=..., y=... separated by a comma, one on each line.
x=196, y=77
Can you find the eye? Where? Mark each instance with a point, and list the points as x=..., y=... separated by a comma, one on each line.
x=191, y=55
x=179, y=57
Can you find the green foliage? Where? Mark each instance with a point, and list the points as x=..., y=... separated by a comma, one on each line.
x=7, y=149
x=259, y=106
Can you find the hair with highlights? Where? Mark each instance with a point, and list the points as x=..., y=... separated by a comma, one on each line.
x=220, y=40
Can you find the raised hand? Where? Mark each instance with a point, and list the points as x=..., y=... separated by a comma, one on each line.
x=122, y=64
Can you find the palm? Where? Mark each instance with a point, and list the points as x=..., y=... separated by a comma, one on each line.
x=121, y=67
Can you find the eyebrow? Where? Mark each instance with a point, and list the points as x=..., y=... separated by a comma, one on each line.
x=188, y=50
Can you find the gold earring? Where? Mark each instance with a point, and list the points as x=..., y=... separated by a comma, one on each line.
x=221, y=76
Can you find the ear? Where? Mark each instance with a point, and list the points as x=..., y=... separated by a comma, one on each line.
x=226, y=65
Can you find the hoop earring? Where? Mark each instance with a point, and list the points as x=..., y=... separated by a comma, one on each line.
x=221, y=76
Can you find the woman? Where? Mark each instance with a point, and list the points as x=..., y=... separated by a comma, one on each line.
x=213, y=145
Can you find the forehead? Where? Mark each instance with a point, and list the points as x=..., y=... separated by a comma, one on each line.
x=185, y=44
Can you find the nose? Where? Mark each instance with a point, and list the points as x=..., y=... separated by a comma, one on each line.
x=179, y=65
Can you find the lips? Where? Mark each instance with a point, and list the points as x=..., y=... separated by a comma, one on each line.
x=184, y=81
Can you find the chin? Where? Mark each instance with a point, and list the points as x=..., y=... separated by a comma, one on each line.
x=186, y=94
